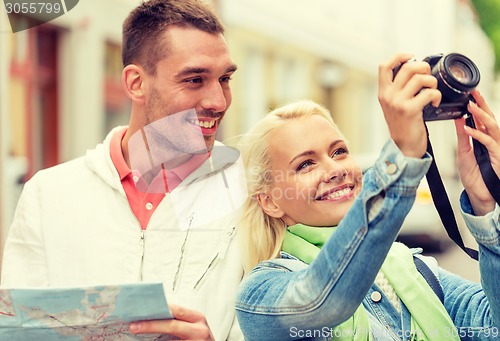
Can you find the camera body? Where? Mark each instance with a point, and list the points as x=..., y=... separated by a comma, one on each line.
x=457, y=76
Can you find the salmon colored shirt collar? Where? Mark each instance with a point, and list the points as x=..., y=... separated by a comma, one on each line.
x=182, y=171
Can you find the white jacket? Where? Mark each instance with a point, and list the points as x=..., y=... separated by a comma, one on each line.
x=74, y=227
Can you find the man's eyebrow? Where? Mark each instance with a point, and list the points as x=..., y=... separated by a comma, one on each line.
x=232, y=68
x=312, y=152
x=191, y=70
x=198, y=70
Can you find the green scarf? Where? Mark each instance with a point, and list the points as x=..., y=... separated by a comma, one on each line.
x=429, y=319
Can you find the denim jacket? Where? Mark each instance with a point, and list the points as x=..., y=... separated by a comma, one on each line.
x=284, y=299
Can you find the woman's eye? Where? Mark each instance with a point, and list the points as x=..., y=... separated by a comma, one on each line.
x=304, y=165
x=340, y=151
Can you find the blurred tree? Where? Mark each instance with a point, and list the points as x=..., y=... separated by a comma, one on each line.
x=489, y=14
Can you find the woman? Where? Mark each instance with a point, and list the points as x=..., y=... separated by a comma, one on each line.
x=359, y=285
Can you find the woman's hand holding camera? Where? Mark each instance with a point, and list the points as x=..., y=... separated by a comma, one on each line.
x=488, y=133
x=403, y=98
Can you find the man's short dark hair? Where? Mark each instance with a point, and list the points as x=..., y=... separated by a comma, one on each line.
x=145, y=26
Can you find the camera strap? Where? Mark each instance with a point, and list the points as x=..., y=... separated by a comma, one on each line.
x=490, y=178
x=442, y=203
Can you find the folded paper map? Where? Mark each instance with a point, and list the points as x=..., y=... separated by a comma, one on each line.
x=89, y=313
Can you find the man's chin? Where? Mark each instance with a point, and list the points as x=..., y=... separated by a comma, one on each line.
x=209, y=142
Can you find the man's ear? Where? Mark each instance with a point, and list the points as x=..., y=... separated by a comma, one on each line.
x=269, y=206
x=133, y=82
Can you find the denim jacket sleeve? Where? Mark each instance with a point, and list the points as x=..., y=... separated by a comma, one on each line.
x=275, y=298
x=473, y=307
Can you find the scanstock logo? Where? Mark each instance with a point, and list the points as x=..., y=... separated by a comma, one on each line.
x=41, y=11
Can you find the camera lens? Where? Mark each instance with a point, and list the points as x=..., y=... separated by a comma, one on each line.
x=457, y=76
x=461, y=72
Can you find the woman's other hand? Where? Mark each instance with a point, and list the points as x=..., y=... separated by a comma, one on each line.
x=488, y=133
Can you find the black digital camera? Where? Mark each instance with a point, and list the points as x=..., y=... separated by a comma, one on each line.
x=457, y=76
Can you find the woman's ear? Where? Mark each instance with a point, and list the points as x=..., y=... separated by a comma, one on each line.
x=133, y=82
x=269, y=206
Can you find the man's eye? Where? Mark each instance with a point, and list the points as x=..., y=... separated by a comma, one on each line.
x=304, y=165
x=225, y=79
x=340, y=151
x=196, y=80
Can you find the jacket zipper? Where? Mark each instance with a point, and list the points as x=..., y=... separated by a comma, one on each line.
x=219, y=255
x=212, y=262
x=181, y=261
x=222, y=251
x=142, y=242
x=183, y=249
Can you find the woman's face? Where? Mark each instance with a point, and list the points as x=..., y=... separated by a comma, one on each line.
x=315, y=179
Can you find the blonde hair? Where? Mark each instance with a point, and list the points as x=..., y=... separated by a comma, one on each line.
x=261, y=234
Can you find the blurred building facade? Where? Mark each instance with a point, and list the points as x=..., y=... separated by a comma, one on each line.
x=329, y=50
x=60, y=90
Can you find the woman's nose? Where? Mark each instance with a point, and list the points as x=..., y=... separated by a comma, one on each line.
x=334, y=172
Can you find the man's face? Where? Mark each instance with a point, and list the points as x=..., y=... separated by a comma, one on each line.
x=194, y=75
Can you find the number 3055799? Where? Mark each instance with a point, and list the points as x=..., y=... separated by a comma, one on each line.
x=32, y=7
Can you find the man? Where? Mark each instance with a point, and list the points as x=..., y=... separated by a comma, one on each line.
x=89, y=222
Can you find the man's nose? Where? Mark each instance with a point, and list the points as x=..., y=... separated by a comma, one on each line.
x=214, y=98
